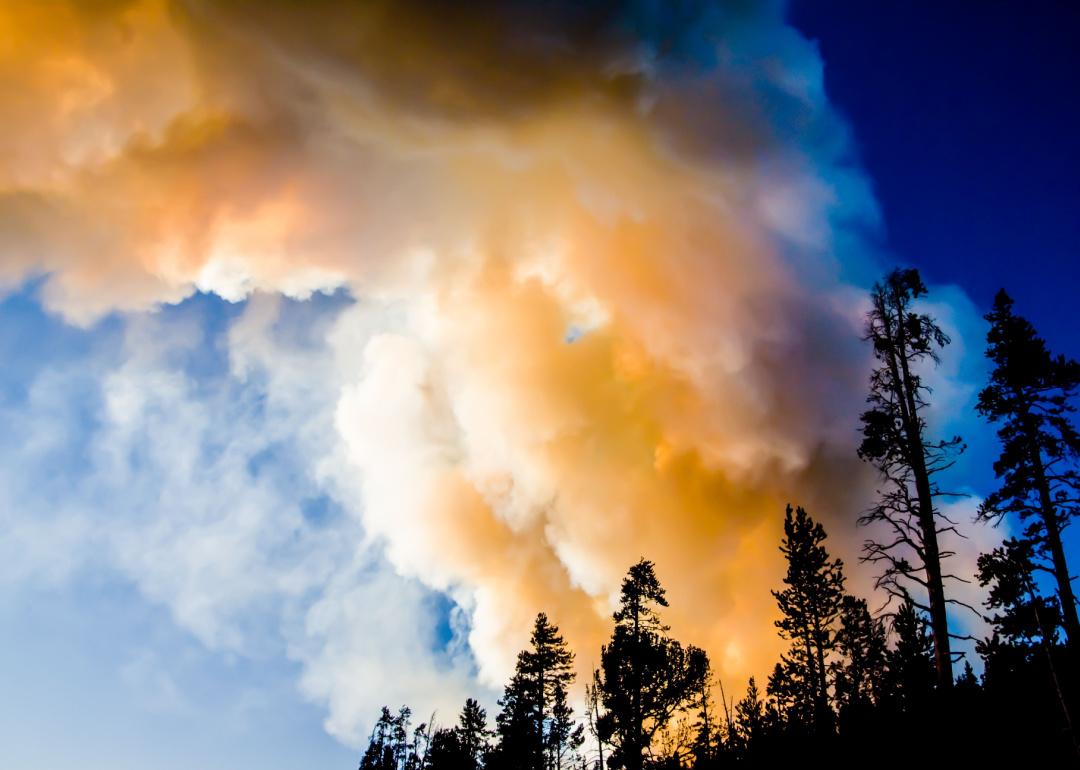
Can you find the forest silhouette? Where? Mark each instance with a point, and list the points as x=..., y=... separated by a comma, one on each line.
x=859, y=683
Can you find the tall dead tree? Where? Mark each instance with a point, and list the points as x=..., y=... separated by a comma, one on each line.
x=895, y=442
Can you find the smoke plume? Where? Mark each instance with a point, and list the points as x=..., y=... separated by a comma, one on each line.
x=599, y=254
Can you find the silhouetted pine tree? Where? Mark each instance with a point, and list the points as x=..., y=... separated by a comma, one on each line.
x=535, y=726
x=860, y=671
x=389, y=747
x=518, y=741
x=706, y=741
x=447, y=753
x=894, y=441
x=1023, y=615
x=461, y=747
x=564, y=735
x=420, y=747
x=473, y=733
x=593, y=715
x=792, y=695
x=967, y=681
x=750, y=721
x=910, y=671
x=1029, y=395
x=379, y=754
x=1023, y=661
x=645, y=676
x=471, y=737
x=809, y=607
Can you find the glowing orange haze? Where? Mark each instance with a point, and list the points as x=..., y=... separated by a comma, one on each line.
x=151, y=149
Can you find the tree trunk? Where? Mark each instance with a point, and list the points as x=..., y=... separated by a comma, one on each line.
x=1066, y=597
x=939, y=622
x=634, y=760
x=935, y=588
x=821, y=690
x=540, y=721
x=811, y=669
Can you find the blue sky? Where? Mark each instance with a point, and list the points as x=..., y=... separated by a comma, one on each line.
x=112, y=660
x=198, y=570
x=96, y=674
x=966, y=121
x=93, y=670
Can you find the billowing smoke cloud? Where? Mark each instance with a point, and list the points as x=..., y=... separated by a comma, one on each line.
x=595, y=249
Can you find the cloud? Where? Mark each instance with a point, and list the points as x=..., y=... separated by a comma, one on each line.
x=210, y=522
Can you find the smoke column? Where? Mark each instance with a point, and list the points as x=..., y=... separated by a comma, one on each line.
x=599, y=255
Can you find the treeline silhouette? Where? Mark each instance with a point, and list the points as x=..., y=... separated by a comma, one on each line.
x=855, y=686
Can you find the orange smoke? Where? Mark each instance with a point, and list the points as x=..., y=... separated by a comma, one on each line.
x=606, y=321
